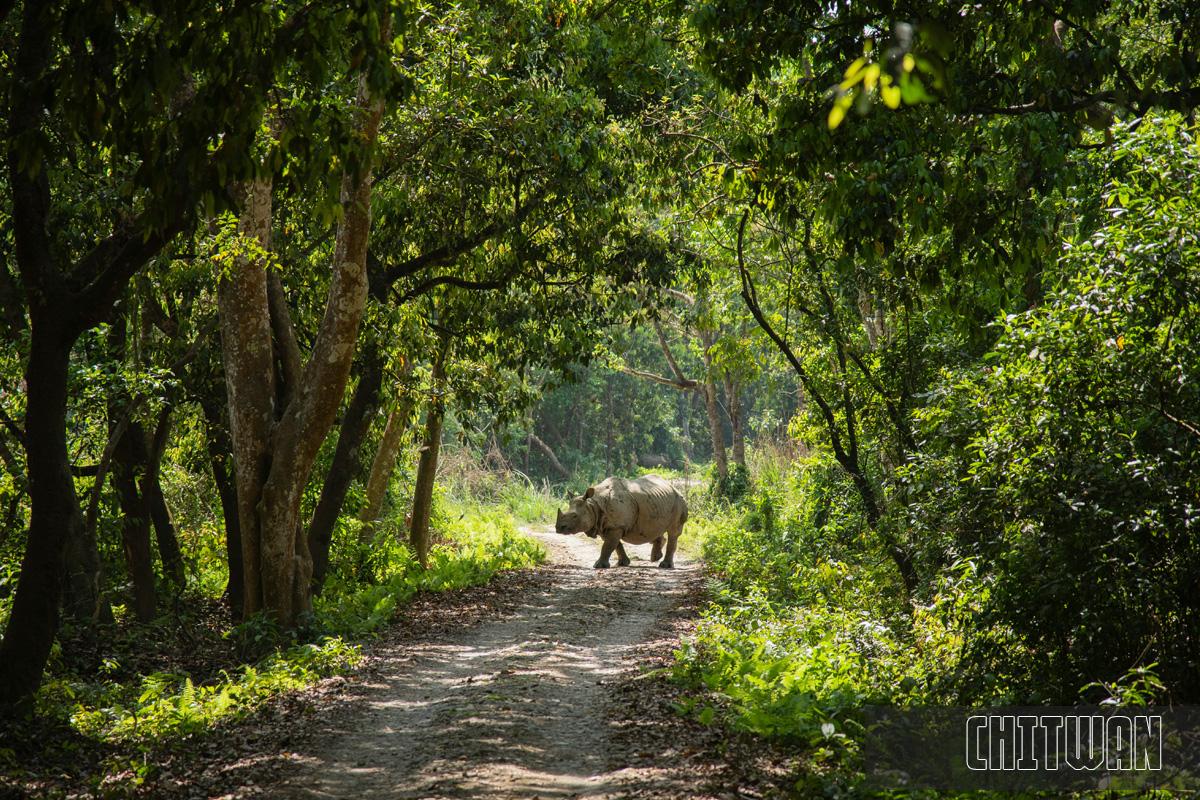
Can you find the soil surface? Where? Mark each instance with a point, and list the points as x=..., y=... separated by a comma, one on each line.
x=515, y=707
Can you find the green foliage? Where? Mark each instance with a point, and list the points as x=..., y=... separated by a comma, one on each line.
x=734, y=485
x=477, y=544
x=1049, y=496
x=1066, y=463
x=162, y=707
x=166, y=706
x=802, y=632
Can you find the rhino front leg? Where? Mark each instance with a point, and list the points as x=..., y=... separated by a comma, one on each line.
x=657, y=550
x=606, y=550
x=668, y=561
x=622, y=557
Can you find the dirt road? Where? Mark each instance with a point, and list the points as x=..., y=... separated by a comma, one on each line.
x=510, y=708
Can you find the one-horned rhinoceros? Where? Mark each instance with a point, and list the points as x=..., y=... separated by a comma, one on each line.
x=644, y=510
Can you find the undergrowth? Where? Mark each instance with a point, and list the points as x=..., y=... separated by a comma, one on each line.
x=806, y=624
x=102, y=693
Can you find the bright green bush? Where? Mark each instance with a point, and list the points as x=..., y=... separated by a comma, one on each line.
x=1067, y=467
x=473, y=546
x=166, y=706
x=804, y=628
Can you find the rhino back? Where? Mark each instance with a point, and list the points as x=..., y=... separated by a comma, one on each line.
x=660, y=506
x=644, y=507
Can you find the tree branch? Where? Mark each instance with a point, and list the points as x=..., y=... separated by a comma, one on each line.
x=453, y=280
x=683, y=385
x=666, y=348
x=1182, y=423
x=550, y=456
x=106, y=269
x=286, y=348
x=750, y=296
x=440, y=256
x=13, y=428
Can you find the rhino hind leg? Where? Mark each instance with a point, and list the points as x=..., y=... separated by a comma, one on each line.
x=656, y=551
x=668, y=561
x=622, y=557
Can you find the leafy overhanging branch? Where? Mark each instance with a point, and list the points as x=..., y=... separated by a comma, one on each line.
x=846, y=455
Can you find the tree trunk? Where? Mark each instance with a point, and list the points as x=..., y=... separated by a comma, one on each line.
x=716, y=430
x=136, y=461
x=83, y=596
x=83, y=599
x=733, y=404
x=62, y=305
x=54, y=516
x=345, y=464
x=135, y=518
x=683, y=406
x=220, y=455
x=553, y=459
x=165, y=533
x=608, y=429
x=274, y=463
x=384, y=463
x=250, y=383
x=422, y=508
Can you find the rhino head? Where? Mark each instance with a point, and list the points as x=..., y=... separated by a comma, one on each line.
x=580, y=515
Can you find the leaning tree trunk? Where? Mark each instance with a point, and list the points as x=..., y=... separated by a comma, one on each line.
x=418, y=535
x=845, y=449
x=384, y=463
x=551, y=458
x=344, y=467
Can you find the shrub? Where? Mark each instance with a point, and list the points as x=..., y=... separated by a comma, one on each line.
x=1069, y=465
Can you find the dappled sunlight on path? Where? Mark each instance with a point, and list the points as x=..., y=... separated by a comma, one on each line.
x=510, y=708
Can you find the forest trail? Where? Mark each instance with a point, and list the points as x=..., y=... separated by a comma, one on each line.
x=510, y=708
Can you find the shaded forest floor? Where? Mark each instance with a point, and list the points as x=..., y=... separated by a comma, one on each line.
x=546, y=683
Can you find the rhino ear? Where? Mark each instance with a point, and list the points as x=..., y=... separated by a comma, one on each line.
x=591, y=491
